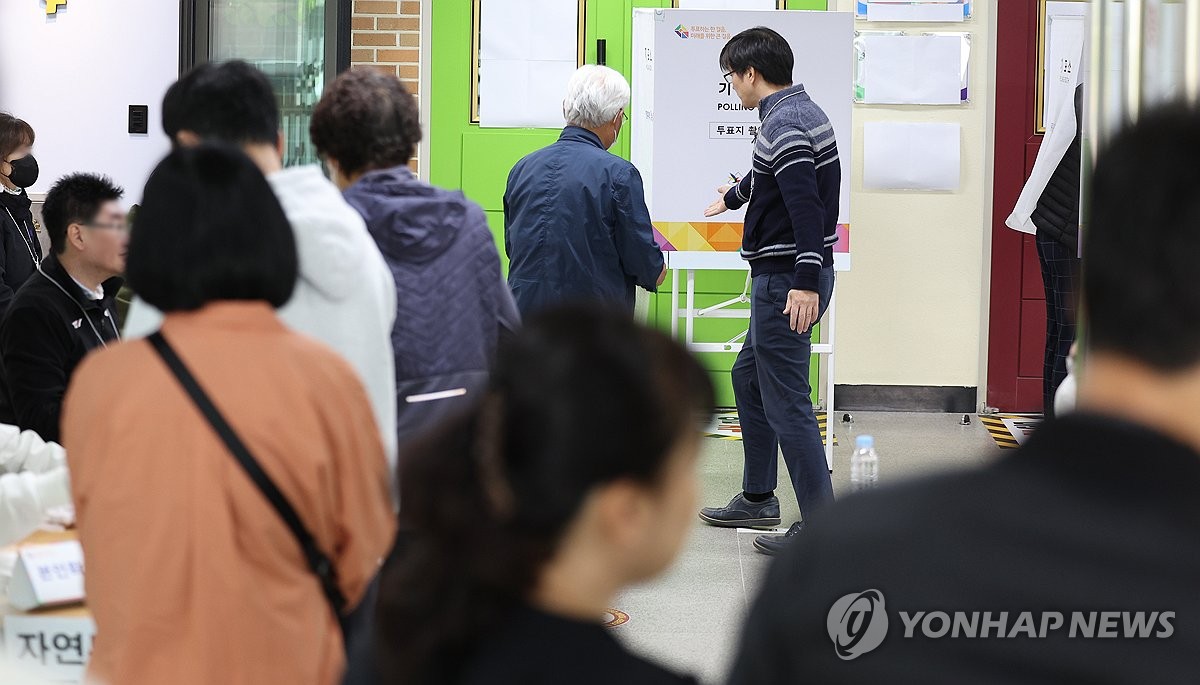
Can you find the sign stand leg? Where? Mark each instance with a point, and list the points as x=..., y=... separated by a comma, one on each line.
x=675, y=303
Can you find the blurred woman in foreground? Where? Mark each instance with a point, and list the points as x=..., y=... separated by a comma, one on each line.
x=572, y=479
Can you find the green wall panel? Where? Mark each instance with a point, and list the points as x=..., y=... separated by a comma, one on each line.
x=495, y=221
x=449, y=90
x=487, y=157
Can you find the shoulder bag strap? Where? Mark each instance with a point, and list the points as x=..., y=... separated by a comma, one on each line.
x=318, y=562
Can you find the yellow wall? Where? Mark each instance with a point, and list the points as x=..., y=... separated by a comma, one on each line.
x=914, y=309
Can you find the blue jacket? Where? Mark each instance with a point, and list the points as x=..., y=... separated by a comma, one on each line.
x=452, y=303
x=576, y=227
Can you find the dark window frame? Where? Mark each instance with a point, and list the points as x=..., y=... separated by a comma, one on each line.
x=194, y=39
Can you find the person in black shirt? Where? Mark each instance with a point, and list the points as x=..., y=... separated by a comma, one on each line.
x=67, y=308
x=20, y=249
x=572, y=478
x=1078, y=556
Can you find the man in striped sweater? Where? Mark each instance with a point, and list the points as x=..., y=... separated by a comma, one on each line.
x=790, y=230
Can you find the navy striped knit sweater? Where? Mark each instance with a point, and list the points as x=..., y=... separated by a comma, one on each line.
x=793, y=190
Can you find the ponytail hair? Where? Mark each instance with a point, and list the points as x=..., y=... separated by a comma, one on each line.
x=579, y=398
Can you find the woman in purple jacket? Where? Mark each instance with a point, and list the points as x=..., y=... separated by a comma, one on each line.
x=452, y=302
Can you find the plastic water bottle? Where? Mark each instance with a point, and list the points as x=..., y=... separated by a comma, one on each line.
x=864, y=465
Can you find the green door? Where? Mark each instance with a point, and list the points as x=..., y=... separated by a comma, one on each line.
x=477, y=160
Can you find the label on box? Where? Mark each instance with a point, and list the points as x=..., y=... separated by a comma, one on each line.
x=50, y=647
x=47, y=575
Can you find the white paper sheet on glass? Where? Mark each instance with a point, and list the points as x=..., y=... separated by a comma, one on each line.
x=522, y=93
x=529, y=29
x=728, y=4
x=911, y=156
x=910, y=70
x=528, y=50
x=930, y=11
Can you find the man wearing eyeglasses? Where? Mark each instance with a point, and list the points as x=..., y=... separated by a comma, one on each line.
x=792, y=199
x=67, y=309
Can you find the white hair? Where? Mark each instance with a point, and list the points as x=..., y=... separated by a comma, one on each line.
x=595, y=96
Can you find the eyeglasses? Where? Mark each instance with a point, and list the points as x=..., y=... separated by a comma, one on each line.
x=624, y=114
x=122, y=226
x=726, y=76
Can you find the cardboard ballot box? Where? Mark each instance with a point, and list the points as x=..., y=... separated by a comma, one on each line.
x=48, y=632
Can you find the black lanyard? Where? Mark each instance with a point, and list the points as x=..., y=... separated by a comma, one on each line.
x=88, y=319
x=26, y=237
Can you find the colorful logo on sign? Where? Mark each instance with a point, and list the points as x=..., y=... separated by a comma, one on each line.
x=697, y=32
x=53, y=5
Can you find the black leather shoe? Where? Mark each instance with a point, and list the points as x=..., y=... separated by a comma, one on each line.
x=742, y=513
x=774, y=544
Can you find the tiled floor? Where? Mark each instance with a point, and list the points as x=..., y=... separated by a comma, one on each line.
x=690, y=618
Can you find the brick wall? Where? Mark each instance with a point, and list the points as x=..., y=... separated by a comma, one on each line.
x=386, y=35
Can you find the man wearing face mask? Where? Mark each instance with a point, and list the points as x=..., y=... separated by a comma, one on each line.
x=20, y=250
x=576, y=227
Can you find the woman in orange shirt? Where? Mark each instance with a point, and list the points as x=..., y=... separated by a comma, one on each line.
x=192, y=576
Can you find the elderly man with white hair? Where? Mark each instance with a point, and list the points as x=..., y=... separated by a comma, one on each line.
x=576, y=227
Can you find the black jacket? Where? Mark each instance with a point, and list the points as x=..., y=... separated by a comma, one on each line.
x=18, y=245
x=1093, y=515
x=43, y=337
x=536, y=648
x=1057, y=213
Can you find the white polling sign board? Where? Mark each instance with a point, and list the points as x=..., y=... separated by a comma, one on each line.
x=47, y=575
x=691, y=133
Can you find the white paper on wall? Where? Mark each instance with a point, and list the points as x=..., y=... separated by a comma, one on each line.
x=522, y=93
x=911, y=156
x=528, y=50
x=927, y=11
x=728, y=4
x=529, y=29
x=910, y=70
